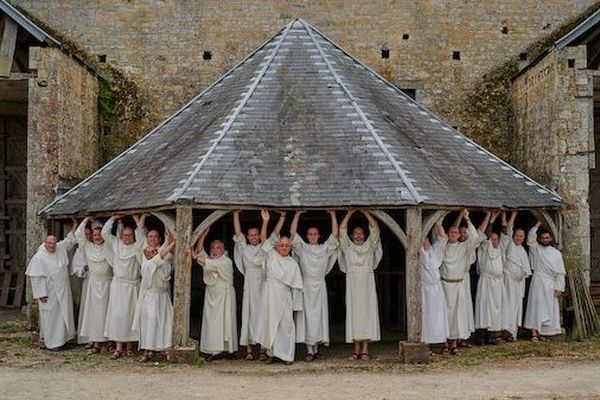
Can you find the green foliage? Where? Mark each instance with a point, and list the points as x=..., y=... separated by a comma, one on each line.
x=199, y=362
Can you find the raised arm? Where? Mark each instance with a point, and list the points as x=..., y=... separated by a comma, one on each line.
x=490, y=225
x=511, y=222
x=344, y=223
x=372, y=222
x=532, y=235
x=280, y=223
x=485, y=222
x=294, y=227
x=334, y=224
x=198, y=253
x=69, y=240
x=264, y=214
x=80, y=232
x=237, y=227
x=170, y=245
x=464, y=212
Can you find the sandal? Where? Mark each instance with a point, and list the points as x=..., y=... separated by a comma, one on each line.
x=263, y=356
x=95, y=350
x=130, y=352
x=145, y=358
x=354, y=357
x=454, y=351
x=535, y=339
x=365, y=357
x=249, y=356
x=116, y=355
x=89, y=346
x=465, y=344
x=445, y=350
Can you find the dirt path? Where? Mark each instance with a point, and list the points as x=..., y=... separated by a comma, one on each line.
x=546, y=380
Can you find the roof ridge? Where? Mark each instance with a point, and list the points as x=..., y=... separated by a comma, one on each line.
x=413, y=191
x=178, y=192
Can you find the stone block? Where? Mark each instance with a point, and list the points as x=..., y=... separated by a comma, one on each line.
x=414, y=353
x=183, y=355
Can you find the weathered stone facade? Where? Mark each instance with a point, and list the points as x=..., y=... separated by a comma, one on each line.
x=160, y=44
x=553, y=102
x=62, y=131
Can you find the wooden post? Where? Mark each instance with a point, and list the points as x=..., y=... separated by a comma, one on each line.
x=413, y=274
x=8, y=43
x=183, y=277
x=413, y=351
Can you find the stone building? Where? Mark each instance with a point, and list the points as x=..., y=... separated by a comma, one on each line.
x=102, y=73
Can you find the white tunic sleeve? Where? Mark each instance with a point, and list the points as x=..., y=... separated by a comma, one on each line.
x=331, y=245
x=532, y=237
x=374, y=236
x=106, y=233
x=39, y=286
x=344, y=239
x=297, y=243
x=68, y=242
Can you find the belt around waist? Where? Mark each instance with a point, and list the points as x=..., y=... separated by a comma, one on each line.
x=452, y=280
x=129, y=281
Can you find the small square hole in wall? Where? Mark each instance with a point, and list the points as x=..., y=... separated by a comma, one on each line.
x=504, y=30
x=385, y=53
x=206, y=55
x=406, y=36
x=102, y=58
x=523, y=56
x=456, y=55
x=571, y=62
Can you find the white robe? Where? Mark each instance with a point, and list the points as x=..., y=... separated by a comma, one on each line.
x=282, y=295
x=49, y=275
x=124, y=288
x=78, y=264
x=315, y=260
x=543, y=308
x=219, y=319
x=153, y=318
x=454, y=271
x=488, y=301
x=435, y=316
x=249, y=261
x=359, y=262
x=516, y=270
x=95, y=296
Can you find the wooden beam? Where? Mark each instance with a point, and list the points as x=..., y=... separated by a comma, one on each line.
x=167, y=221
x=7, y=46
x=549, y=223
x=393, y=225
x=182, y=290
x=431, y=219
x=208, y=221
x=414, y=306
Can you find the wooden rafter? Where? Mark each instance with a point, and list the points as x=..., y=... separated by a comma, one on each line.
x=7, y=46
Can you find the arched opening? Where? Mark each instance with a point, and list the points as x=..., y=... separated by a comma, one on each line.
x=390, y=275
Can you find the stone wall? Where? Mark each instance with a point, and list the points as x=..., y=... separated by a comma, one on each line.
x=62, y=138
x=554, y=126
x=160, y=44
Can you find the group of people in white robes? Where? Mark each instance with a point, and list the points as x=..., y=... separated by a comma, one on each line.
x=503, y=265
x=285, y=294
x=125, y=291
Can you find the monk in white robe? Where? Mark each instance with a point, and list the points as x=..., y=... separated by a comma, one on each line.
x=124, y=288
x=153, y=240
x=315, y=260
x=79, y=286
x=455, y=267
x=51, y=287
x=249, y=260
x=219, y=322
x=435, y=316
x=359, y=257
x=282, y=296
x=490, y=286
x=153, y=318
x=516, y=270
x=98, y=277
x=547, y=284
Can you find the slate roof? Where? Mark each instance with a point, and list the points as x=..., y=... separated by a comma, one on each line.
x=301, y=123
x=26, y=24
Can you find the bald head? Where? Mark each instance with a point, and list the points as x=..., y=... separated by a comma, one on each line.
x=217, y=248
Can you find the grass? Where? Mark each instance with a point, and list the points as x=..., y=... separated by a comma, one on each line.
x=12, y=327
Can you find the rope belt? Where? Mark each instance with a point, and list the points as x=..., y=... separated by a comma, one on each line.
x=452, y=280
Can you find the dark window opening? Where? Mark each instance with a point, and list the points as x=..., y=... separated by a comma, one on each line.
x=504, y=30
x=523, y=56
x=102, y=58
x=412, y=93
x=456, y=55
x=571, y=62
x=206, y=55
x=405, y=36
x=385, y=53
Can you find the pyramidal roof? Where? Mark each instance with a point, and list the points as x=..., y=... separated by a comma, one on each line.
x=301, y=123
